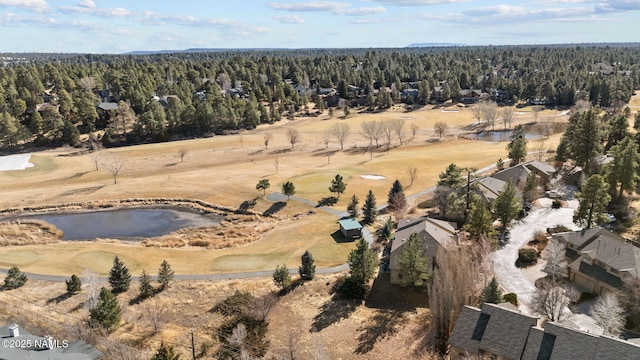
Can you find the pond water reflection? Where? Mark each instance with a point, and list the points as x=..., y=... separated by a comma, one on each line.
x=125, y=223
x=532, y=132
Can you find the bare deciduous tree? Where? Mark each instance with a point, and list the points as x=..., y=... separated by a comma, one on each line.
x=87, y=84
x=398, y=126
x=267, y=137
x=91, y=285
x=508, y=114
x=441, y=128
x=551, y=300
x=535, y=111
x=341, y=132
x=398, y=205
x=97, y=153
x=387, y=130
x=608, y=313
x=413, y=174
x=294, y=136
x=556, y=263
x=154, y=315
x=182, y=153
x=113, y=164
x=414, y=130
x=276, y=164
x=581, y=105
x=460, y=265
x=491, y=113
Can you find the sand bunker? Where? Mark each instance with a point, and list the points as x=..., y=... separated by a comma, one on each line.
x=15, y=162
x=373, y=177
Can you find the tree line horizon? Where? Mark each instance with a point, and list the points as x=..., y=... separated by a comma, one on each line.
x=224, y=92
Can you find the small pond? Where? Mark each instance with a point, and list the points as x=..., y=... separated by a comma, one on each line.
x=126, y=223
x=532, y=132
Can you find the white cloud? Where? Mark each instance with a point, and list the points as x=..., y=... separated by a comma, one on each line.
x=334, y=7
x=289, y=19
x=418, y=2
x=33, y=5
x=87, y=4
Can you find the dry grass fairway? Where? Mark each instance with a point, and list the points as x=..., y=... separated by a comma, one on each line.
x=224, y=170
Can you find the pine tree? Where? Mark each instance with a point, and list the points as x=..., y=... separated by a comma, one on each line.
x=107, y=312
x=74, y=285
x=288, y=189
x=412, y=264
x=15, y=279
x=352, y=208
x=397, y=201
x=518, y=146
x=281, y=277
x=479, y=222
x=362, y=262
x=337, y=185
x=594, y=199
x=146, y=289
x=263, y=184
x=307, y=269
x=491, y=293
x=165, y=275
x=506, y=205
x=119, y=277
x=166, y=352
x=369, y=209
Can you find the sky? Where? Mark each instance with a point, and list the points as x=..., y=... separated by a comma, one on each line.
x=120, y=26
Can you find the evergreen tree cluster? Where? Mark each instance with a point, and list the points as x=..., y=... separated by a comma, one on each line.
x=51, y=99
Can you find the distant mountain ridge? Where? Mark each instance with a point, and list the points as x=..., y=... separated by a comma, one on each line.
x=434, y=45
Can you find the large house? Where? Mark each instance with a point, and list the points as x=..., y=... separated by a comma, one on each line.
x=517, y=174
x=600, y=260
x=435, y=235
x=501, y=331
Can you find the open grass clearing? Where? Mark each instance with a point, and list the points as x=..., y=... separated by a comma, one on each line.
x=224, y=170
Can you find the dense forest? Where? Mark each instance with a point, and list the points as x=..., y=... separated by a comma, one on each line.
x=53, y=99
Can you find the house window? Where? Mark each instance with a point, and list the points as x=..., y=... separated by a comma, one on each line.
x=614, y=271
x=600, y=263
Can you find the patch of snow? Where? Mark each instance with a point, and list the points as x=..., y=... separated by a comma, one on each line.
x=15, y=162
x=373, y=177
x=449, y=111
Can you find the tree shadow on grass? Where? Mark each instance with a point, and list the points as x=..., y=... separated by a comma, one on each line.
x=60, y=298
x=247, y=205
x=327, y=201
x=380, y=326
x=275, y=207
x=333, y=311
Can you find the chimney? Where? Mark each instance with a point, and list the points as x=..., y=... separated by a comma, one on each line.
x=14, y=330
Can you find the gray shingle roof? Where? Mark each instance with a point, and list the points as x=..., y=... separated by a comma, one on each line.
x=76, y=350
x=511, y=335
x=434, y=233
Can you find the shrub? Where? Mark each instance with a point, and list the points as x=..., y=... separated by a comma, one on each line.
x=15, y=279
x=233, y=305
x=527, y=256
x=511, y=298
x=74, y=285
x=557, y=229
